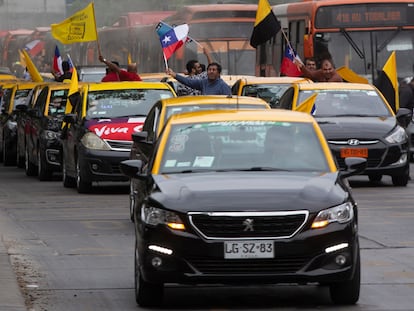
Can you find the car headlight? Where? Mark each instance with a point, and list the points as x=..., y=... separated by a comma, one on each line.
x=92, y=141
x=341, y=213
x=398, y=135
x=156, y=216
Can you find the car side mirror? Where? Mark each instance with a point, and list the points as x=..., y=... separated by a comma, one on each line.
x=404, y=116
x=354, y=166
x=139, y=137
x=133, y=169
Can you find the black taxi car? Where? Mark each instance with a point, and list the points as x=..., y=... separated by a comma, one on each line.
x=98, y=135
x=244, y=196
x=357, y=121
x=43, y=124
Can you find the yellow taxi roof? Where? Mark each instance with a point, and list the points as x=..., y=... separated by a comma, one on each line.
x=98, y=86
x=241, y=115
x=213, y=99
x=271, y=80
x=335, y=86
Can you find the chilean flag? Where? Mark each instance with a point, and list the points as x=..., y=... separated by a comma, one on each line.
x=173, y=39
x=288, y=67
x=57, y=61
x=34, y=47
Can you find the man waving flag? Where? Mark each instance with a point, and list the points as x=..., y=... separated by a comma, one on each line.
x=266, y=25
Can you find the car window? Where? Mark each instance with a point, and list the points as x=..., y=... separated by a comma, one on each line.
x=271, y=93
x=123, y=103
x=347, y=102
x=243, y=146
x=57, y=103
x=21, y=97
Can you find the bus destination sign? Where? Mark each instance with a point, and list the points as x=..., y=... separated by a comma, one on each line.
x=364, y=15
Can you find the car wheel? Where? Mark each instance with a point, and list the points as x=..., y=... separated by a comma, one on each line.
x=131, y=201
x=400, y=180
x=8, y=158
x=347, y=293
x=29, y=167
x=42, y=172
x=375, y=178
x=19, y=159
x=82, y=185
x=146, y=294
x=68, y=181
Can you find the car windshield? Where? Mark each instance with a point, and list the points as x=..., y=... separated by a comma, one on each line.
x=243, y=145
x=328, y=103
x=269, y=92
x=188, y=108
x=123, y=103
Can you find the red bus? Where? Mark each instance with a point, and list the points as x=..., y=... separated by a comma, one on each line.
x=357, y=34
x=224, y=29
x=11, y=43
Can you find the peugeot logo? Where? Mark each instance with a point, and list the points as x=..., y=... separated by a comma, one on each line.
x=248, y=224
x=353, y=142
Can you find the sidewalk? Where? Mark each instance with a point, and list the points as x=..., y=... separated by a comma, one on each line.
x=11, y=299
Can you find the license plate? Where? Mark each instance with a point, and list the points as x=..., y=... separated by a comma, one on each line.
x=354, y=152
x=248, y=249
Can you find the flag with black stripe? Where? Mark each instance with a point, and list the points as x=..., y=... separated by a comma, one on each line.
x=387, y=82
x=266, y=25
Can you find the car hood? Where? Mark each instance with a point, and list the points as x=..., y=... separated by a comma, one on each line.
x=248, y=191
x=116, y=128
x=356, y=127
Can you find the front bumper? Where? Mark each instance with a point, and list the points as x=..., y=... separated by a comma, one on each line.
x=100, y=165
x=382, y=159
x=301, y=259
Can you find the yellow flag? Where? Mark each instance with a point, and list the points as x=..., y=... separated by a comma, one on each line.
x=307, y=104
x=80, y=27
x=129, y=59
x=34, y=73
x=74, y=83
x=22, y=59
x=351, y=76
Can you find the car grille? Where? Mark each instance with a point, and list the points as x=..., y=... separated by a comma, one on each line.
x=249, y=266
x=242, y=225
x=119, y=145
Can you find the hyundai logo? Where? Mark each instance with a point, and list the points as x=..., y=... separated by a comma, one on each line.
x=353, y=142
x=248, y=225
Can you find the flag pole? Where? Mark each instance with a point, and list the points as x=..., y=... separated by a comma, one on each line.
x=288, y=43
x=165, y=61
x=96, y=31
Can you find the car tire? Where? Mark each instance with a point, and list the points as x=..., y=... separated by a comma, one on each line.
x=375, y=178
x=82, y=185
x=29, y=167
x=400, y=180
x=347, y=293
x=42, y=173
x=131, y=201
x=146, y=294
x=19, y=159
x=8, y=158
x=68, y=182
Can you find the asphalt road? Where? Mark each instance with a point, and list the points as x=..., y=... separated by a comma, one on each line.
x=75, y=252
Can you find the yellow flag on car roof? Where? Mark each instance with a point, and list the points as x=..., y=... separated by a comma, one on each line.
x=80, y=27
x=31, y=68
x=308, y=104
